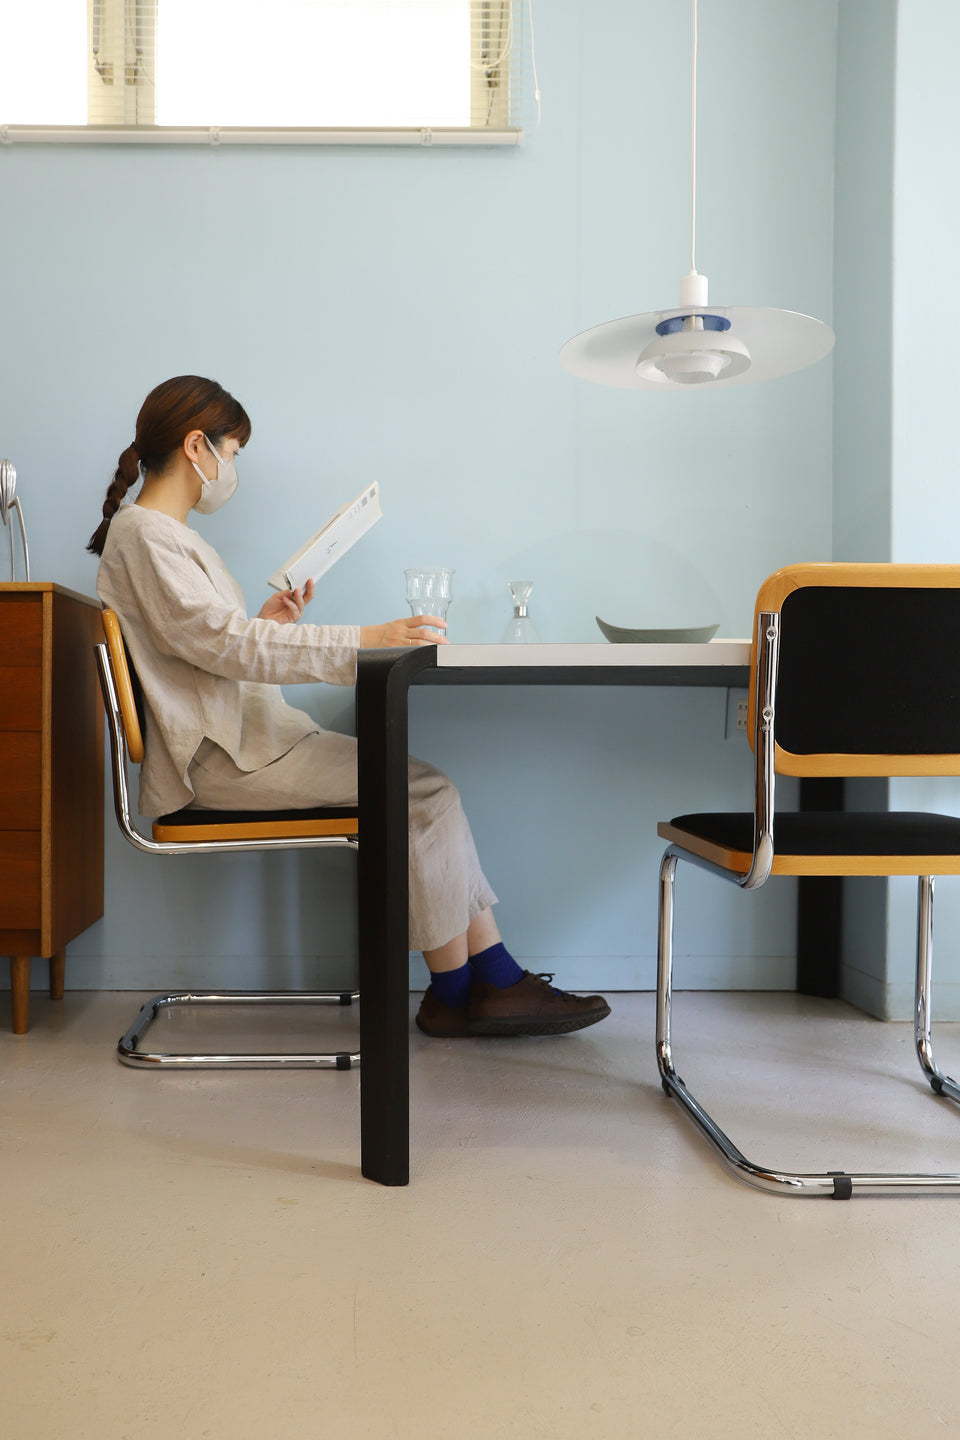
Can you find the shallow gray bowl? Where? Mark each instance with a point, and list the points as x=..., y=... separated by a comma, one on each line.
x=685, y=635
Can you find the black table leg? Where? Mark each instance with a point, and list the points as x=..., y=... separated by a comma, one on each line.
x=820, y=907
x=383, y=680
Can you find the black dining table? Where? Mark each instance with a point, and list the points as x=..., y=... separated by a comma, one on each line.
x=384, y=678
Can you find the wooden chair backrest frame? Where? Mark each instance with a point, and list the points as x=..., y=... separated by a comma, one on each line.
x=778, y=588
x=124, y=685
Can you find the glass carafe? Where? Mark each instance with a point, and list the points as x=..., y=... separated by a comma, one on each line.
x=521, y=630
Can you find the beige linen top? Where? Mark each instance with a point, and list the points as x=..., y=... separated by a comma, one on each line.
x=207, y=670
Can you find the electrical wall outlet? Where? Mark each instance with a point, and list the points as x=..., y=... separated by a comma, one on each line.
x=735, y=714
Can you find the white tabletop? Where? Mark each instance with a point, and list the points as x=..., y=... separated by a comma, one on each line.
x=717, y=652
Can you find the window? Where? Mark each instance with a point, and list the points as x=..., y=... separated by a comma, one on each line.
x=427, y=70
x=43, y=62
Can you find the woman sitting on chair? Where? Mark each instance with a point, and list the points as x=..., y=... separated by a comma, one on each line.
x=220, y=736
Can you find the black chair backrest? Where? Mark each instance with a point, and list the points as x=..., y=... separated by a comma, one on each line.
x=137, y=689
x=869, y=673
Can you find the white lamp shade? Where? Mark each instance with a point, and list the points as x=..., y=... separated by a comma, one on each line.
x=622, y=353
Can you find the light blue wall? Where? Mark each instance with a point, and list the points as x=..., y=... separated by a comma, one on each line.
x=397, y=314
x=926, y=495
x=863, y=307
x=895, y=492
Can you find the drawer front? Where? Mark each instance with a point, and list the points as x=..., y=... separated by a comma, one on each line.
x=20, y=697
x=21, y=631
x=19, y=880
x=19, y=781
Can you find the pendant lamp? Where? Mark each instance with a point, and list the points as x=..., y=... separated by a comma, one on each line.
x=696, y=343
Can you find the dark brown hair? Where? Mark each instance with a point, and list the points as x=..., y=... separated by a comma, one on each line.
x=169, y=413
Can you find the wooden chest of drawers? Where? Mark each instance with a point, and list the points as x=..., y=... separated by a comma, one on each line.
x=51, y=779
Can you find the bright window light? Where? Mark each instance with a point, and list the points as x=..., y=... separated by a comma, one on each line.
x=313, y=63
x=43, y=62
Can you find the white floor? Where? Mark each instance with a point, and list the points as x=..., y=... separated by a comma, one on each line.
x=197, y=1255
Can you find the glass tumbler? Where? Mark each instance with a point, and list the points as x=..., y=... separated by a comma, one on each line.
x=429, y=592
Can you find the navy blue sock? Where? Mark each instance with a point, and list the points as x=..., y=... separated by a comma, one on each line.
x=496, y=966
x=452, y=987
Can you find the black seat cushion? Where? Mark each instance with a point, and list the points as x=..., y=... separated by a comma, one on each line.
x=252, y=817
x=828, y=832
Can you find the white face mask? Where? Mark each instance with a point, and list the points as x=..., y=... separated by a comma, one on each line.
x=216, y=492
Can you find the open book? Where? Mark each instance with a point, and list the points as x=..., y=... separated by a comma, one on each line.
x=332, y=540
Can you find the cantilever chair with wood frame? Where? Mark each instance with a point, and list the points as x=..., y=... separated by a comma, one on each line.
x=855, y=671
x=205, y=832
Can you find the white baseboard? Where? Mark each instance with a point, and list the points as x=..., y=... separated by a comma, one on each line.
x=639, y=972
x=167, y=972
x=896, y=1001
x=285, y=972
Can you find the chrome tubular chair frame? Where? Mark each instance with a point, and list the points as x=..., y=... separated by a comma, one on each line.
x=837, y=1185
x=130, y=1047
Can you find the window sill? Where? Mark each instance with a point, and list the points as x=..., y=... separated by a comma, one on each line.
x=425, y=137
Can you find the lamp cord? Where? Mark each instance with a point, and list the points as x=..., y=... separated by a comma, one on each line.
x=693, y=152
x=533, y=62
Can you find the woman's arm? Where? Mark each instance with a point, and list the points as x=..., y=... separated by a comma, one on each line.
x=188, y=617
x=286, y=608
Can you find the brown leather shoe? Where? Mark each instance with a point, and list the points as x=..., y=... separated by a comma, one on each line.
x=441, y=1022
x=531, y=1007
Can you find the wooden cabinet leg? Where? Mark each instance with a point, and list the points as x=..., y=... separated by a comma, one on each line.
x=20, y=992
x=58, y=970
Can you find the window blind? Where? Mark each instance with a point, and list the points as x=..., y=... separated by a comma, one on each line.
x=438, y=69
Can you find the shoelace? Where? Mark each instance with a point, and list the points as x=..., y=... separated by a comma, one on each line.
x=546, y=976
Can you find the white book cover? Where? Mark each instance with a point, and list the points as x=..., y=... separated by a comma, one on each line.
x=322, y=551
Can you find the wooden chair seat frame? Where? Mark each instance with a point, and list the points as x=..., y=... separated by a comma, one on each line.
x=264, y=834
x=840, y=1185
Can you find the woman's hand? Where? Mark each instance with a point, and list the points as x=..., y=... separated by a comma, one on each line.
x=398, y=633
x=286, y=606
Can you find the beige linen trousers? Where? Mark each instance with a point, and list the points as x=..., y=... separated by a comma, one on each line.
x=219, y=734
